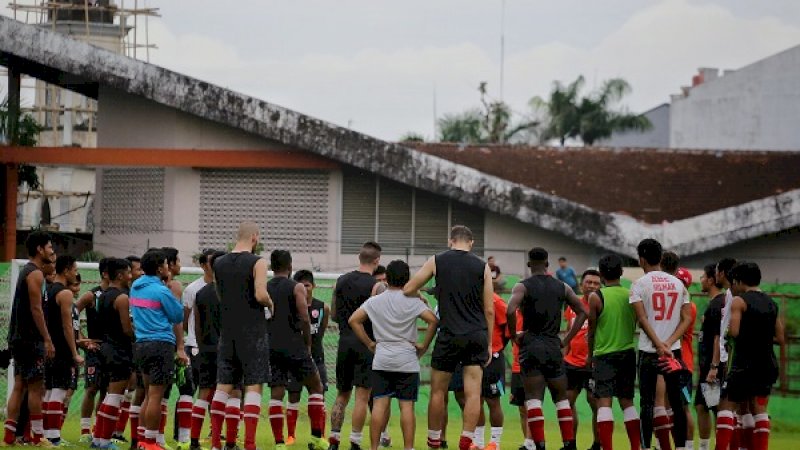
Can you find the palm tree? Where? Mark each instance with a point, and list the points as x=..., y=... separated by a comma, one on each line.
x=590, y=118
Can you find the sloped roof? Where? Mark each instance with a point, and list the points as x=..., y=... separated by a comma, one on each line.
x=649, y=185
x=82, y=67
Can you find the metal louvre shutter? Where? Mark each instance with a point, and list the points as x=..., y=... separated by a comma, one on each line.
x=133, y=200
x=471, y=217
x=358, y=209
x=394, y=217
x=430, y=223
x=290, y=205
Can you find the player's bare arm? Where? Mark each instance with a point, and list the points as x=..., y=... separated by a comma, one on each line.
x=712, y=372
x=260, y=284
x=430, y=318
x=517, y=294
x=356, y=322
x=595, y=308
x=333, y=300
x=738, y=307
x=325, y=319
x=575, y=303
x=488, y=306
x=35, y=281
x=644, y=324
x=423, y=275
x=301, y=304
x=64, y=301
x=85, y=300
x=121, y=304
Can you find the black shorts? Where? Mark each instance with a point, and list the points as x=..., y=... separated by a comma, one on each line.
x=243, y=358
x=451, y=350
x=699, y=399
x=353, y=364
x=577, y=377
x=29, y=359
x=59, y=373
x=403, y=386
x=139, y=377
x=614, y=374
x=117, y=362
x=287, y=364
x=541, y=356
x=494, y=378
x=206, y=363
x=743, y=385
x=93, y=374
x=295, y=385
x=517, y=390
x=156, y=360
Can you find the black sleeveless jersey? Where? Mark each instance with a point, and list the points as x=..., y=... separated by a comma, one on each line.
x=542, y=305
x=94, y=329
x=459, y=292
x=753, y=347
x=316, y=313
x=21, y=326
x=109, y=318
x=54, y=322
x=352, y=290
x=240, y=314
x=207, y=325
x=284, y=331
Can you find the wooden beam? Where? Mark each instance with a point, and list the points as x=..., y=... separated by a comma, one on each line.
x=151, y=157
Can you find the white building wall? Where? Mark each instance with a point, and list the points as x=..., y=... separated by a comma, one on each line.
x=754, y=108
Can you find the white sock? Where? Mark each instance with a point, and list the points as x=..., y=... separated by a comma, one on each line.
x=479, y=438
x=529, y=444
x=689, y=445
x=356, y=437
x=160, y=439
x=495, y=434
x=469, y=434
x=86, y=423
x=704, y=443
x=384, y=434
x=150, y=434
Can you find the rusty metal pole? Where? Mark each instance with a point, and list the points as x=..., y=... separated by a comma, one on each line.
x=12, y=176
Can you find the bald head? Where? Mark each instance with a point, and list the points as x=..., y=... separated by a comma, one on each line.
x=247, y=230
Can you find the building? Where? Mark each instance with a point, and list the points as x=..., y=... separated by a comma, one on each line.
x=756, y=107
x=211, y=157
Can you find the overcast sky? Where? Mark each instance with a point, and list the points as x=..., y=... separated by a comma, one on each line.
x=373, y=65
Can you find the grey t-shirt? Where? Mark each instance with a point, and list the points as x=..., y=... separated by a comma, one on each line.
x=394, y=324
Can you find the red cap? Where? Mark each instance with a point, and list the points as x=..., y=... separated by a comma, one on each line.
x=684, y=275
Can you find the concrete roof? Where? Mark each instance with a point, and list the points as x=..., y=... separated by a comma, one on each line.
x=82, y=67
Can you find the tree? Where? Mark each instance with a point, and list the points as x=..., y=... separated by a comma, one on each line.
x=590, y=118
x=27, y=133
x=412, y=137
x=490, y=124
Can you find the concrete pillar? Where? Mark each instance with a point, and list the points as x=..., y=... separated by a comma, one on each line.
x=12, y=177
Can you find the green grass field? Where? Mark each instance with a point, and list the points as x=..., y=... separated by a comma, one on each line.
x=785, y=426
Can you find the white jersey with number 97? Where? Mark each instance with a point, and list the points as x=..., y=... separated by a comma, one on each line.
x=662, y=295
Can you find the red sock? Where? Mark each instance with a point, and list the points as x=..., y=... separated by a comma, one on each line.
x=564, y=413
x=535, y=420
x=134, y=416
x=10, y=434
x=198, y=416
x=316, y=414
x=736, y=439
x=36, y=423
x=661, y=428
x=761, y=432
x=633, y=427
x=252, y=408
x=65, y=413
x=464, y=443
x=276, y=420
x=217, y=418
x=291, y=418
x=748, y=423
x=46, y=421
x=725, y=425
x=124, y=414
x=164, y=413
x=56, y=415
x=184, y=410
x=232, y=416
x=107, y=418
x=606, y=431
